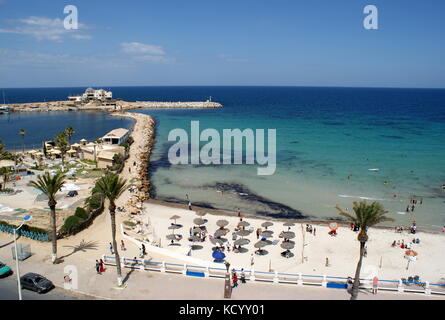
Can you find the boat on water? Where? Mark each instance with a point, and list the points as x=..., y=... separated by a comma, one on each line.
x=4, y=108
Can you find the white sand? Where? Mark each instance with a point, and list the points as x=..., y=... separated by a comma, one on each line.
x=342, y=250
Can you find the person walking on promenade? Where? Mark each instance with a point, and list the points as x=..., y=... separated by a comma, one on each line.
x=98, y=267
x=235, y=280
x=375, y=284
x=243, y=276
x=143, y=250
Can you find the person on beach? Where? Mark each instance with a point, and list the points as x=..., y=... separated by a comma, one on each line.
x=129, y=169
x=251, y=260
x=238, y=212
x=98, y=267
x=122, y=245
x=111, y=248
x=101, y=266
x=375, y=284
x=190, y=205
x=143, y=250
x=315, y=231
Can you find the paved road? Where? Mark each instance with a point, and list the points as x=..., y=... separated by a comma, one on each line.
x=8, y=291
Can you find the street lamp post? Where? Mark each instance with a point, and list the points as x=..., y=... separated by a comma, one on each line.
x=25, y=219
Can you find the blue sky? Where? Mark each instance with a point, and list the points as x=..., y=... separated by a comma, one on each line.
x=292, y=43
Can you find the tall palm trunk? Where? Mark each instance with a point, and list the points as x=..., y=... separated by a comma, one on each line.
x=356, y=284
x=52, y=206
x=113, y=235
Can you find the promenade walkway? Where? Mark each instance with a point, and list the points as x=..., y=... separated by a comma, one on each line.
x=154, y=285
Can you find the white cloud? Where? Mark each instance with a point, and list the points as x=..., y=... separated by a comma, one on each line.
x=43, y=28
x=145, y=52
x=141, y=48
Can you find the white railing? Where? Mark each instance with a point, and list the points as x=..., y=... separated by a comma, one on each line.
x=276, y=277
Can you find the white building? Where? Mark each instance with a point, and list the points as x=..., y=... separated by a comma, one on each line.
x=91, y=94
x=116, y=136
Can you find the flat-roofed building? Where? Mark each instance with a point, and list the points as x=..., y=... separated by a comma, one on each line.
x=116, y=136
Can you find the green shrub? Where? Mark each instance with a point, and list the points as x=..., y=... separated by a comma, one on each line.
x=71, y=222
x=25, y=227
x=81, y=213
x=95, y=201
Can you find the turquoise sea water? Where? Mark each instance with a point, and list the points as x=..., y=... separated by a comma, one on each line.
x=324, y=136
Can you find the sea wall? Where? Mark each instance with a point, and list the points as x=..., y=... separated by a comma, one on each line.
x=119, y=106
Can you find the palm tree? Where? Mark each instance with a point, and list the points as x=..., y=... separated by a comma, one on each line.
x=62, y=144
x=366, y=215
x=69, y=131
x=50, y=186
x=111, y=186
x=5, y=172
x=22, y=132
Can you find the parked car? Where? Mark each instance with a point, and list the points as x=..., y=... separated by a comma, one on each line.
x=35, y=282
x=4, y=270
x=72, y=193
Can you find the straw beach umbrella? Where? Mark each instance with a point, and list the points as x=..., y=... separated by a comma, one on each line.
x=222, y=223
x=288, y=234
x=199, y=221
x=173, y=227
x=267, y=234
x=244, y=224
x=243, y=233
x=241, y=242
x=218, y=241
x=287, y=245
x=175, y=217
x=220, y=232
x=260, y=245
x=267, y=224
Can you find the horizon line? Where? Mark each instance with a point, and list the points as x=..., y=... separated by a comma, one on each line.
x=238, y=86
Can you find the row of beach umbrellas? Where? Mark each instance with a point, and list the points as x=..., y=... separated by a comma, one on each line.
x=222, y=231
